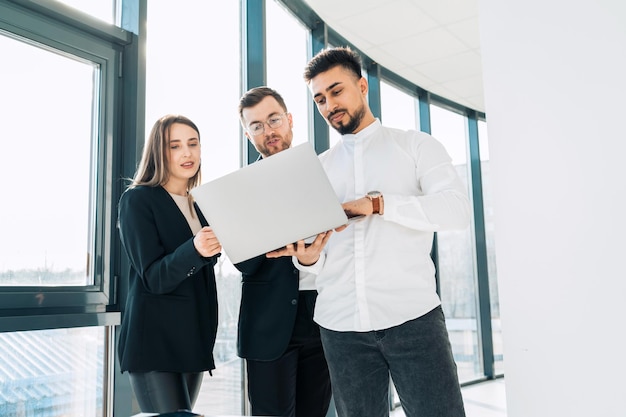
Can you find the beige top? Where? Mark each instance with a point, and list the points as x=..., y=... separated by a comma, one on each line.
x=183, y=204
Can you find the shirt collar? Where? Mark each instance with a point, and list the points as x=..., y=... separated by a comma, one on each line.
x=374, y=126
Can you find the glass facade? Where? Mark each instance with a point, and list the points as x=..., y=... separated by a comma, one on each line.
x=55, y=171
x=183, y=76
x=490, y=247
x=104, y=10
x=398, y=109
x=455, y=250
x=51, y=373
x=286, y=58
x=61, y=104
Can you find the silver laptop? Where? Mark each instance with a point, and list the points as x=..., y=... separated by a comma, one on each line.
x=270, y=203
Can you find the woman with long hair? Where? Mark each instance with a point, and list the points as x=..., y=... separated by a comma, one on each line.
x=170, y=318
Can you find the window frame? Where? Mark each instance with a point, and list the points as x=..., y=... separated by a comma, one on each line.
x=76, y=34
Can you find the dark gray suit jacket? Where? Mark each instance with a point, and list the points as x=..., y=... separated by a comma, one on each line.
x=170, y=319
x=269, y=303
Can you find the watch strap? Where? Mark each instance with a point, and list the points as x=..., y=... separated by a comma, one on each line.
x=375, y=205
x=375, y=197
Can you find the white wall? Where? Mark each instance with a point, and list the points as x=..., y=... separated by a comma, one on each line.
x=555, y=88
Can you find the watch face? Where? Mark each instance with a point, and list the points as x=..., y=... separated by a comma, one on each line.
x=374, y=194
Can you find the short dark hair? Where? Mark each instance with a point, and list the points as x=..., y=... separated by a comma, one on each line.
x=331, y=57
x=255, y=95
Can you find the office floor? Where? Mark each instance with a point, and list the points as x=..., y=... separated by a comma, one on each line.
x=485, y=399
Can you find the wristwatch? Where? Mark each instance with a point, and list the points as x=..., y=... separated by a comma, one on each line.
x=376, y=197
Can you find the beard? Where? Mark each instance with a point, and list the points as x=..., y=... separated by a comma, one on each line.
x=353, y=121
x=283, y=144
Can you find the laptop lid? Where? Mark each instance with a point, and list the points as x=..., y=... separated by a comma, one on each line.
x=270, y=203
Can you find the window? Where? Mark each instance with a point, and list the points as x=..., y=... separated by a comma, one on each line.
x=56, y=172
x=193, y=69
x=490, y=242
x=398, y=108
x=57, y=372
x=286, y=58
x=456, y=257
x=100, y=9
x=58, y=165
x=47, y=229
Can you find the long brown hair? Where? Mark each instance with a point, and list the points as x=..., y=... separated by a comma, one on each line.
x=153, y=169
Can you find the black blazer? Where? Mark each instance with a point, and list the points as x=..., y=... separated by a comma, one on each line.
x=269, y=303
x=170, y=319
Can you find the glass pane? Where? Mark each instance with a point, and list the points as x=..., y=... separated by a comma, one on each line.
x=287, y=43
x=52, y=373
x=483, y=144
x=179, y=81
x=101, y=9
x=456, y=257
x=398, y=108
x=45, y=166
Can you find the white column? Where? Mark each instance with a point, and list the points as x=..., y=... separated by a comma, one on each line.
x=555, y=89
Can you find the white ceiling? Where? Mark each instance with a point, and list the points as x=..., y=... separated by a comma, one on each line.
x=432, y=43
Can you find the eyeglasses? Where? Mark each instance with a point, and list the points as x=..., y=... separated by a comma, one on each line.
x=274, y=122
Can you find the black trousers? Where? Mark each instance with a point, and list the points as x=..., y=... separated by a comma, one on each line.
x=298, y=383
x=165, y=392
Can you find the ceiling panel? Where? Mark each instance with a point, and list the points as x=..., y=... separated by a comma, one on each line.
x=432, y=43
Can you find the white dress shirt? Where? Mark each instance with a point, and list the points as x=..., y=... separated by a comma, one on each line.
x=377, y=273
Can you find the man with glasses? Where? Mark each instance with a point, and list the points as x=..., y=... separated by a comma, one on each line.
x=286, y=368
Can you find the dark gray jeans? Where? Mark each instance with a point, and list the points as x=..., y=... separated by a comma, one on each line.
x=417, y=355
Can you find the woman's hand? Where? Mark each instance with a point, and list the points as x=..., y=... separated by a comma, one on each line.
x=206, y=242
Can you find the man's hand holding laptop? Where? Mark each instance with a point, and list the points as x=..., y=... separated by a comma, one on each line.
x=308, y=253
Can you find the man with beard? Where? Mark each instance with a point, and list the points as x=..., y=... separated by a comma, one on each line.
x=378, y=309
x=286, y=369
